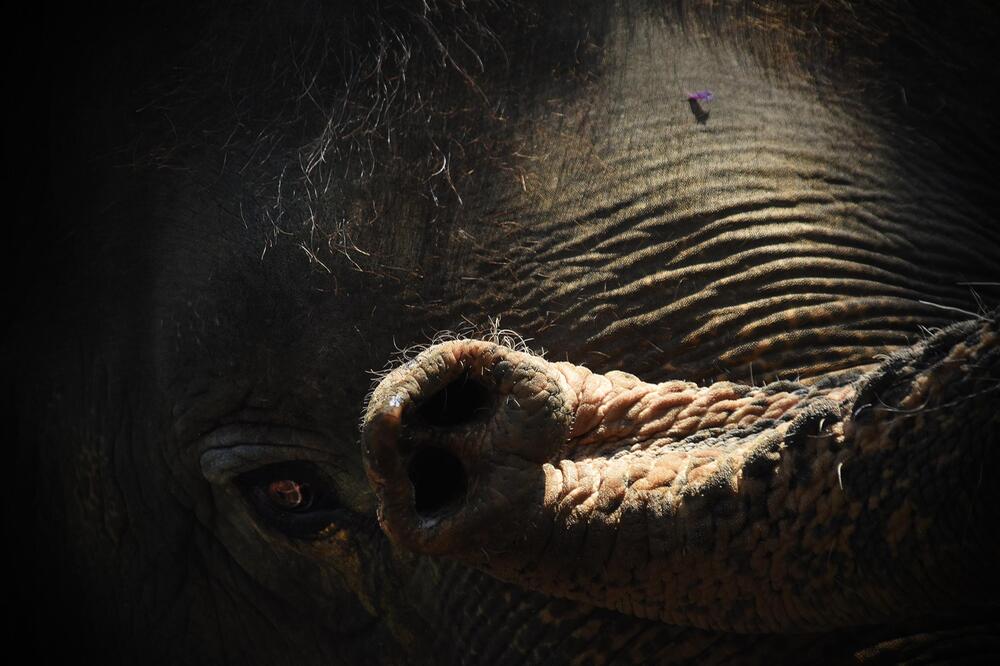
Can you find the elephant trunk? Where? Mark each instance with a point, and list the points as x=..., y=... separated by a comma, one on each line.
x=786, y=507
x=454, y=439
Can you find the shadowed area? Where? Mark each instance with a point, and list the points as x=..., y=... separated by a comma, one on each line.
x=461, y=401
x=438, y=480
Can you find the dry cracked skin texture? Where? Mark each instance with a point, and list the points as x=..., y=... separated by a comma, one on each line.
x=854, y=499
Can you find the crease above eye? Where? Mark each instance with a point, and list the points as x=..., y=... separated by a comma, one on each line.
x=223, y=464
x=234, y=450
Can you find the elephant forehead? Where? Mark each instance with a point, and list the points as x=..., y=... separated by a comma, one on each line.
x=786, y=233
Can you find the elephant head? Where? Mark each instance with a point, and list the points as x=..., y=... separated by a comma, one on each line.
x=273, y=405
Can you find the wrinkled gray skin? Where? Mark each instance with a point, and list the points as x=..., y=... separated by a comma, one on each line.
x=224, y=267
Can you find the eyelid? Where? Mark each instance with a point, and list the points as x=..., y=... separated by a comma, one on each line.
x=234, y=450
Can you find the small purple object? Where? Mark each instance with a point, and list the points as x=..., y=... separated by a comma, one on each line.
x=701, y=95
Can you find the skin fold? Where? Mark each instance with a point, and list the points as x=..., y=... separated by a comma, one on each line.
x=270, y=405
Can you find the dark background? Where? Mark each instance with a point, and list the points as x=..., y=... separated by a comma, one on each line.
x=73, y=78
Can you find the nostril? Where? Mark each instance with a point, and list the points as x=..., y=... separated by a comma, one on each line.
x=461, y=401
x=438, y=479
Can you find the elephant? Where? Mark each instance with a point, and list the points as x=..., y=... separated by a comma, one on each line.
x=510, y=332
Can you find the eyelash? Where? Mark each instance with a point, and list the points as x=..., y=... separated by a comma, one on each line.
x=267, y=488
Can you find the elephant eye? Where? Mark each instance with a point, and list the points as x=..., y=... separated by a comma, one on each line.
x=292, y=497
